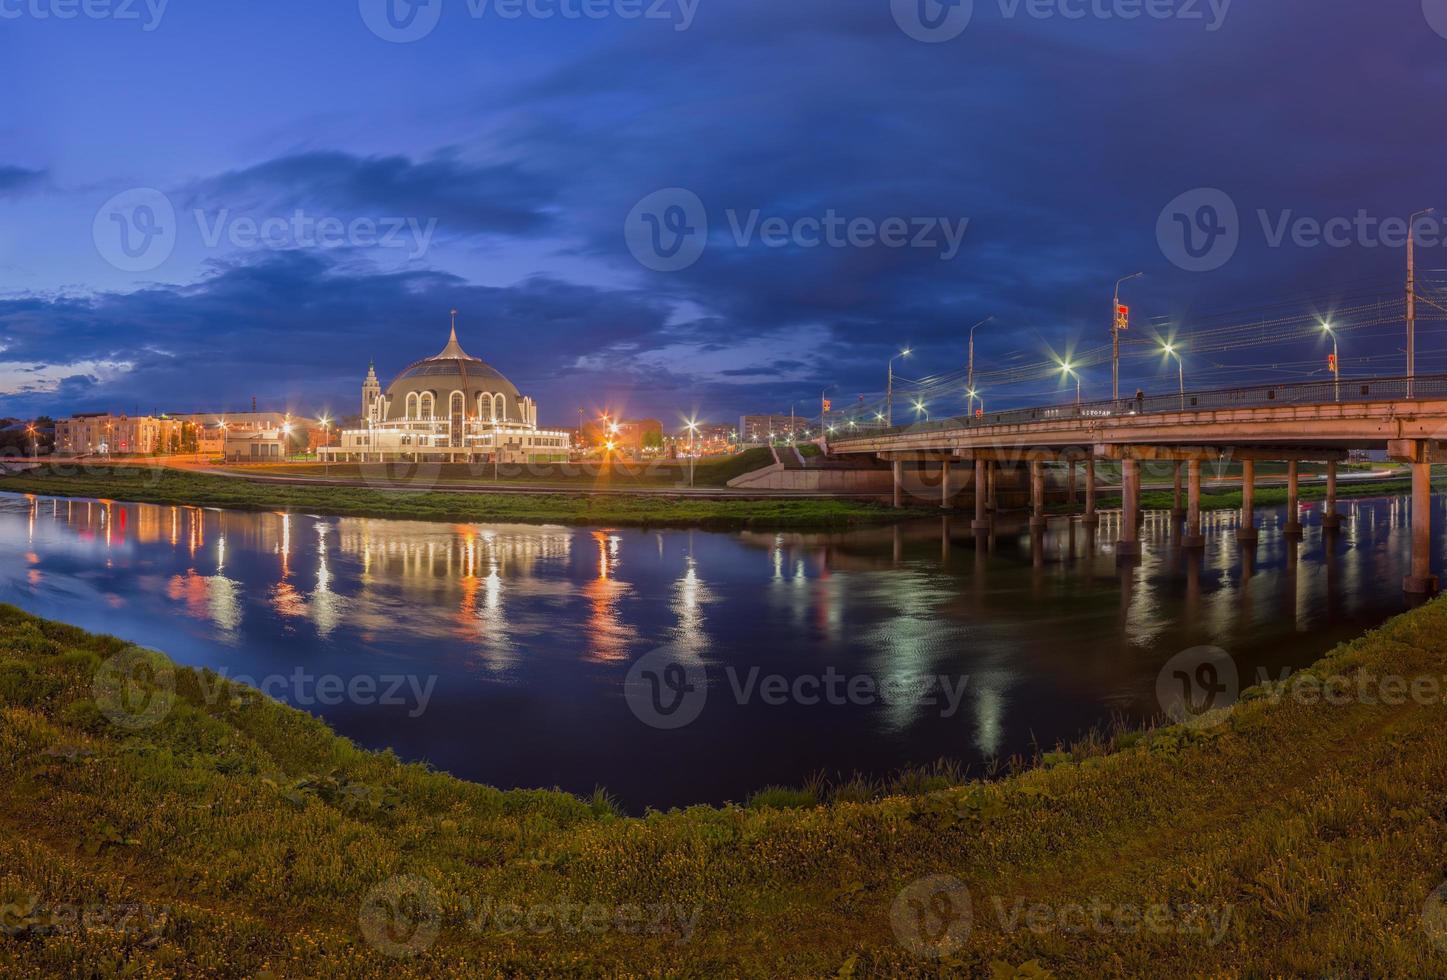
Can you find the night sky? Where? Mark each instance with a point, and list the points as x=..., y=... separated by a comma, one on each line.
x=550, y=177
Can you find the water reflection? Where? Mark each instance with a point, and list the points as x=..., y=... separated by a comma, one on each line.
x=530, y=629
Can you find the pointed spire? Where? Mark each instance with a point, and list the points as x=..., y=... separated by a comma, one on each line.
x=453, y=348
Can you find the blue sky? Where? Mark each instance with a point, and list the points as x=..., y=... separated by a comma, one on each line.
x=496, y=165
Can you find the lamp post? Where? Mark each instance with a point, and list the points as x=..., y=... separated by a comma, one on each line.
x=326, y=443
x=1171, y=351
x=1115, y=336
x=1412, y=300
x=1336, y=364
x=920, y=409
x=970, y=381
x=1067, y=369
x=34, y=447
x=692, y=455
x=889, y=389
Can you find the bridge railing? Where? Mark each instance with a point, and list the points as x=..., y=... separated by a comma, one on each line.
x=1255, y=396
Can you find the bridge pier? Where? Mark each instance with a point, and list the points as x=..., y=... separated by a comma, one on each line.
x=983, y=469
x=1178, y=511
x=1128, y=547
x=1293, y=499
x=1193, y=538
x=1037, y=493
x=897, y=466
x=1070, y=495
x=1419, y=453
x=945, y=484
x=1331, y=520
x=991, y=500
x=1091, y=518
x=1247, y=533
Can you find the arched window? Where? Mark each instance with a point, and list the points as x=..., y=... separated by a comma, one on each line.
x=458, y=404
x=484, y=406
x=428, y=406
x=499, y=407
x=412, y=405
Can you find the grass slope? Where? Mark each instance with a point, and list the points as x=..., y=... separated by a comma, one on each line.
x=253, y=842
x=168, y=486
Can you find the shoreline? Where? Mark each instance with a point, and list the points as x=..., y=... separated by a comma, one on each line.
x=197, y=812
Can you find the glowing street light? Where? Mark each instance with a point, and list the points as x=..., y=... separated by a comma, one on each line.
x=919, y=409
x=1170, y=351
x=970, y=380
x=1066, y=370
x=692, y=427
x=1335, y=364
x=889, y=389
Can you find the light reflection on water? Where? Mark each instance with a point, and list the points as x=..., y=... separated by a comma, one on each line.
x=530, y=630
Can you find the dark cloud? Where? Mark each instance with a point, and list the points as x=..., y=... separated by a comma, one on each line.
x=19, y=180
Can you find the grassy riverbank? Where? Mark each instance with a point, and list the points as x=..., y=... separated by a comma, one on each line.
x=238, y=837
x=181, y=487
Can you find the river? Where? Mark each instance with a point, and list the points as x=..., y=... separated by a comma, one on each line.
x=501, y=653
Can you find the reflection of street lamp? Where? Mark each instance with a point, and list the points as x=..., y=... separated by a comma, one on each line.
x=1171, y=351
x=889, y=389
x=1335, y=361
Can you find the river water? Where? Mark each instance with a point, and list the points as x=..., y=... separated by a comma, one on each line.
x=501, y=653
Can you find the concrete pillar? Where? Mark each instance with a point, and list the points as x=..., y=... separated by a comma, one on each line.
x=1194, y=538
x=991, y=500
x=982, y=486
x=1178, y=508
x=945, y=484
x=1091, y=518
x=1037, y=493
x=1421, y=581
x=1331, y=520
x=1293, y=499
x=1129, y=544
x=1247, y=533
x=898, y=467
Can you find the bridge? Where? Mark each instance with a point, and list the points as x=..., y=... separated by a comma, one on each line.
x=1292, y=423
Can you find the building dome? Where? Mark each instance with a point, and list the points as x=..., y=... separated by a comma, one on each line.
x=427, y=389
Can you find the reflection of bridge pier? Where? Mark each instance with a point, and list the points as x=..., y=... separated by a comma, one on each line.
x=1288, y=424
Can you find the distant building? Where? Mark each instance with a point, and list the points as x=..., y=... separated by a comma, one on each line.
x=772, y=428
x=213, y=428
x=631, y=436
x=115, y=435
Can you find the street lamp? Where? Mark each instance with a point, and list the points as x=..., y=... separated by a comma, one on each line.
x=692, y=456
x=1336, y=362
x=1115, y=336
x=919, y=409
x=889, y=390
x=1067, y=369
x=1171, y=351
x=34, y=447
x=970, y=382
x=326, y=442
x=1412, y=300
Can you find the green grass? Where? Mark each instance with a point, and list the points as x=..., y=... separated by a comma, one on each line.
x=245, y=839
x=169, y=486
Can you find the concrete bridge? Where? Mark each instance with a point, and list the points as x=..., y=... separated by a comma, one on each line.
x=1295, y=423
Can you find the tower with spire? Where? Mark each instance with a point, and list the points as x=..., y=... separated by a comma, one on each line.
x=371, y=392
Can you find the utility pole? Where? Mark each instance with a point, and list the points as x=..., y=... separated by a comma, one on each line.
x=970, y=381
x=1115, y=336
x=889, y=390
x=1412, y=300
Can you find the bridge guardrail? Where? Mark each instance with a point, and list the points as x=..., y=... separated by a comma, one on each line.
x=1255, y=396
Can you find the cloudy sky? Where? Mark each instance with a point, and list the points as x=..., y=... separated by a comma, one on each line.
x=665, y=207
